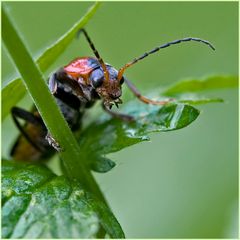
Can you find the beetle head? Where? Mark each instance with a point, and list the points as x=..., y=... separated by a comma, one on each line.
x=110, y=89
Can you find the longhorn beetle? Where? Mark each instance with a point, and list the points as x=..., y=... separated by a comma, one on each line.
x=76, y=87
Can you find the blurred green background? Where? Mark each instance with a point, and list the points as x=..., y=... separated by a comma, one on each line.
x=183, y=184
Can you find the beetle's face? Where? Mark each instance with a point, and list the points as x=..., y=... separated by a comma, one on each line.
x=110, y=91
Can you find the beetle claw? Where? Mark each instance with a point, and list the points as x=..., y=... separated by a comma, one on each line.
x=120, y=101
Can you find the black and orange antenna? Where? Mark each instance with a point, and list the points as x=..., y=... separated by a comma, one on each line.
x=103, y=65
x=135, y=60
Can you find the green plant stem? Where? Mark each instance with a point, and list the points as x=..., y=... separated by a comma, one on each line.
x=47, y=107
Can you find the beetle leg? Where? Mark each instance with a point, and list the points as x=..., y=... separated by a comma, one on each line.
x=30, y=118
x=121, y=116
x=142, y=98
x=52, y=142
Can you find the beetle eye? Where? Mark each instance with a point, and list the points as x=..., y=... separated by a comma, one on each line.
x=122, y=80
x=97, y=78
x=97, y=82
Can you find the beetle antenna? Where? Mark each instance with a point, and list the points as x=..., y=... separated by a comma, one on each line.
x=135, y=60
x=105, y=71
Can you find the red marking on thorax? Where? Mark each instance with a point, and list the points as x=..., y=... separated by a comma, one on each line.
x=78, y=67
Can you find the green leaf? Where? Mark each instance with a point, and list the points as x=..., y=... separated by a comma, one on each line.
x=13, y=92
x=201, y=101
x=194, y=85
x=101, y=164
x=195, y=99
x=107, y=135
x=38, y=204
x=54, y=51
x=111, y=135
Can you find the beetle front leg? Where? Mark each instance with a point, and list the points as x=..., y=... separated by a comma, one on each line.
x=142, y=98
x=121, y=116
